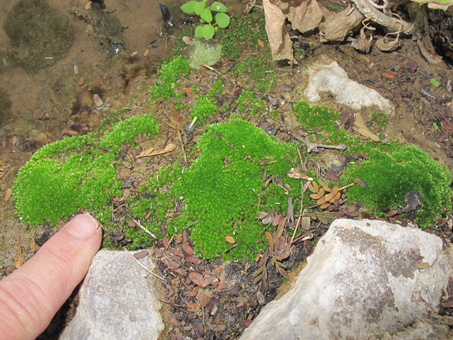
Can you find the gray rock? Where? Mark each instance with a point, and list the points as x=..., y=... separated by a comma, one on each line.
x=362, y=280
x=202, y=51
x=328, y=76
x=116, y=301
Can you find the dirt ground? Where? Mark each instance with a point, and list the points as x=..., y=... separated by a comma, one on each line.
x=55, y=103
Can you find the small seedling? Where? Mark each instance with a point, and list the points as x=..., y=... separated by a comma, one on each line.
x=221, y=19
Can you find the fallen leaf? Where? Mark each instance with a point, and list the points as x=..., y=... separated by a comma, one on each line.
x=88, y=5
x=186, y=40
x=170, y=147
x=446, y=125
x=388, y=75
x=34, y=247
x=20, y=259
x=165, y=242
x=191, y=293
x=140, y=254
x=80, y=81
x=229, y=239
x=8, y=194
x=192, y=259
x=145, y=53
x=260, y=43
x=269, y=240
x=360, y=127
x=187, y=249
x=193, y=305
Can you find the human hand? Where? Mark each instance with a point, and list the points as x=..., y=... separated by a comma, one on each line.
x=31, y=295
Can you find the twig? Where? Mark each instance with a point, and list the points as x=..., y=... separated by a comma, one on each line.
x=182, y=147
x=149, y=271
x=144, y=229
x=210, y=68
x=314, y=146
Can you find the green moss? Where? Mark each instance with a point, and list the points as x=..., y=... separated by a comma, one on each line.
x=37, y=31
x=168, y=75
x=75, y=173
x=204, y=108
x=260, y=72
x=390, y=176
x=223, y=187
x=243, y=32
x=251, y=103
x=126, y=130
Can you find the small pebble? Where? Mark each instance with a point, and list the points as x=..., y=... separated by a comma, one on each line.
x=97, y=100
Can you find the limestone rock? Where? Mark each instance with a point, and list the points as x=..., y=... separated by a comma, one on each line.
x=116, y=301
x=362, y=280
x=202, y=51
x=330, y=77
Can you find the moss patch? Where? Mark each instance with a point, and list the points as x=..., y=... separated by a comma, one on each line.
x=389, y=176
x=75, y=173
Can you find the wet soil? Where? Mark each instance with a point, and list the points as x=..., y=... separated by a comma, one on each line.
x=223, y=298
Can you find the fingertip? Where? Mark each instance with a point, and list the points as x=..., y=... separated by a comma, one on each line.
x=83, y=226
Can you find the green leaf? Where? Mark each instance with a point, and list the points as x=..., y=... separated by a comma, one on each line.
x=189, y=7
x=206, y=15
x=208, y=32
x=435, y=82
x=199, y=7
x=222, y=19
x=199, y=32
x=218, y=7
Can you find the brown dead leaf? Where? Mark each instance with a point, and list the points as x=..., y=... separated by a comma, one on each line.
x=360, y=127
x=306, y=16
x=196, y=278
x=20, y=259
x=269, y=240
x=230, y=239
x=260, y=43
x=277, y=33
x=8, y=194
x=150, y=152
x=187, y=249
x=337, y=27
x=165, y=242
x=34, y=247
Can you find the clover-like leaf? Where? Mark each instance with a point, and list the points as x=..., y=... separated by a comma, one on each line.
x=222, y=19
x=199, y=7
x=218, y=7
x=189, y=7
x=206, y=15
x=199, y=32
x=208, y=32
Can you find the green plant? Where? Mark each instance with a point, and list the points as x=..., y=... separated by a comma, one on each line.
x=250, y=102
x=207, y=31
x=75, y=173
x=390, y=176
x=204, y=108
x=223, y=188
x=168, y=75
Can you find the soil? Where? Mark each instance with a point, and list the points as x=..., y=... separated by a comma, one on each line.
x=55, y=103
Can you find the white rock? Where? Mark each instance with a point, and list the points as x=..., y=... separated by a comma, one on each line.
x=116, y=301
x=361, y=281
x=332, y=78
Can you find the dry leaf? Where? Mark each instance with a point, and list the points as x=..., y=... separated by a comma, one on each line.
x=145, y=53
x=305, y=17
x=170, y=147
x=277, y=33
x=229, y=239
x=88, y=5
x=260, y=43
x=361, y=128
x=196, y=278
x=269, y=240
x=34, y=247
x=8, y=194
x=20, y=259
x=187, y=249
x=339, y=25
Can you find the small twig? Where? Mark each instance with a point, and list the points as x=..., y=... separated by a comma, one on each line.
x=149, y=271
x=182, y=147
x=346, y=186
x=210, y=68
x=144, y=229
x=314, y=146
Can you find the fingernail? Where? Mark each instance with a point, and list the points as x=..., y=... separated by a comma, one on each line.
x=83, y=226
